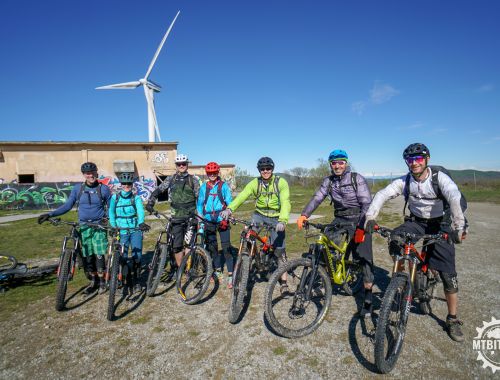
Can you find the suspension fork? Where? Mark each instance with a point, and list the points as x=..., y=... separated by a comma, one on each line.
x=314, y=272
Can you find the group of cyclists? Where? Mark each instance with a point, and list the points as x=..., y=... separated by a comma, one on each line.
x=433, y=199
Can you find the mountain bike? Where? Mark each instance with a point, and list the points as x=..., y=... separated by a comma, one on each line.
x=69, y=259
x=301, y=310
x=118, y=270
x=11, y=270
x=417, y=282
x=196, y=269
x=162, y=256
x=255, y=256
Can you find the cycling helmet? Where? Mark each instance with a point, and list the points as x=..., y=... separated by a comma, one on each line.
x=265, y=162
x=338, y=154
x=181, y=158
x=89, y=167
x=126, y=177
x=416, y=149
x=212, y=167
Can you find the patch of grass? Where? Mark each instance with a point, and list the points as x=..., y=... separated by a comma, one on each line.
x=140, y=320
x=280, y=350
x=193, y=333
x=158, y=329
x=347, y=360
x=311, y=362
x=123, y=342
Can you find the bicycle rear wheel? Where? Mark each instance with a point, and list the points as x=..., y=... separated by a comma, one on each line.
x=194, y=275
x=62, y=279
x=391, y=325
x=241, y=274
x=113, y=284
x=300, y=310
x=354, y=278
x=429, y=292
x=156, y=268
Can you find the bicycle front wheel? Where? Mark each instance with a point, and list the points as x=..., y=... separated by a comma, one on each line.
x=156, y=268
x=391, y=324
x=302, y=308
x=62, y=279
x=241, y=273
x=194, y=275
x=114, y=271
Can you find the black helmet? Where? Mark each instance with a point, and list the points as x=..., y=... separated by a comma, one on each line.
x=126, y=177
x=416, y=149
x=265, y=162
x=89, y=167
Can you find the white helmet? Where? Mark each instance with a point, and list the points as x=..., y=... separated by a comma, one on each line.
x=181, y=158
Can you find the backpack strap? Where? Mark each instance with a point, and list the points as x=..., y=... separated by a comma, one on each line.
x=219, y=195
x=406, y=191
x=82, y=187
x=260, y=185
x=118, y=196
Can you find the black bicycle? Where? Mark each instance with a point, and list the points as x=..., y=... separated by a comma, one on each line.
x=417, y=283
x=11, y=270
x=118, y=273
x=255, y=256
x=69, y=259
x=195, y=271
x=162, y=257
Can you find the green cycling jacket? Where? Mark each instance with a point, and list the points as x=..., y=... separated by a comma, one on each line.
x=267, y=203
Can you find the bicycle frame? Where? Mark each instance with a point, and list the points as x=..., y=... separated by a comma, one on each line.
x=70, y=241
x=250, y=238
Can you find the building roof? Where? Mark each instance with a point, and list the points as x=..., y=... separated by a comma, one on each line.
x=59, y=144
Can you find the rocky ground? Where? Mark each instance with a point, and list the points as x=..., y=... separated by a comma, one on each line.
x=159, y=337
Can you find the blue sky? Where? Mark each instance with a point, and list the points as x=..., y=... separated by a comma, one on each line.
x=288, y=79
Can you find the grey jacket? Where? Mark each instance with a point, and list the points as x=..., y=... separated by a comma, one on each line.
x=341, y=191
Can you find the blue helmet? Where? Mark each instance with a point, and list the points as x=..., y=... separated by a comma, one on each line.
x=338, y=154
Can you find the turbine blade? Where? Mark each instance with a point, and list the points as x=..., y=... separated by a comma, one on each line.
x=120, y=86
x=159, y=47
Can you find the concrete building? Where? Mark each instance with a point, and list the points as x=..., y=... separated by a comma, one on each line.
x=26, y=165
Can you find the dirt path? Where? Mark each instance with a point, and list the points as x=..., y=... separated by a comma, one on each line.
x=162, y=337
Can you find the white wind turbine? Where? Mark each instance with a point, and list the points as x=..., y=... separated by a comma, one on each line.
x=149, y=89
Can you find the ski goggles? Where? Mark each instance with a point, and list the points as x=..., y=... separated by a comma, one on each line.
x=415, y=159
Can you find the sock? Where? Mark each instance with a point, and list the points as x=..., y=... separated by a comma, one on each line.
x=451, y=316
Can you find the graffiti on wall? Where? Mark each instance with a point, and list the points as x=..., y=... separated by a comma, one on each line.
x=14, y=196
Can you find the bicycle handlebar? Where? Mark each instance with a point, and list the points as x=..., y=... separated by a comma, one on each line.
x=248, y=224
x=58, y=221
x=323, y=227
x=407, y=236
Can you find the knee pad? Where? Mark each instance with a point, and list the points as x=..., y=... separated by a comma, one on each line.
x=100, y=263
x=89, y=263
x=450, y=282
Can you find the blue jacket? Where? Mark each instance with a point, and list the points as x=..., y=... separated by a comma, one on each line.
x=91, y=208
x=122, y=213
x=213, y=205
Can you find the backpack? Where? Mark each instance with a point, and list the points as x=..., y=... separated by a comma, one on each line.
x=219, y=195
x=260, y=186
x=435, y=186
x=132, y=198
x=354, y=184
x=189, y=180
x=99, y=192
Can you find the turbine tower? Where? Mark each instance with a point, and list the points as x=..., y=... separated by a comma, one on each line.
x=149, y=89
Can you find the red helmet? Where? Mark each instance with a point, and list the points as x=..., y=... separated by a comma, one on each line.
x=212, y=167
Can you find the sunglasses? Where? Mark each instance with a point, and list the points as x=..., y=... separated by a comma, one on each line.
x=339, y=162
x=266, y=169
x=214, y=173
x=127, y=184
x=417, y=159
x=181, y=164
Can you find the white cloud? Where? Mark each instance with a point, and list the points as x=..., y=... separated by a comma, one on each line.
x=415, y=125
x=379, y=94
x=485, y=88
x=437, y=131
x=382, y=93
x=358, y=107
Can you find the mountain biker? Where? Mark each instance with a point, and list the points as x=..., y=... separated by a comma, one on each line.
x=351, y=198
x=91, y=199
x=182, y=189
x=272, y=206
x=126, y=210
x=427, y=212
x=214, y=197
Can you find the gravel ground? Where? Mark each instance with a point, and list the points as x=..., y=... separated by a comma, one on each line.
x=159, y=337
